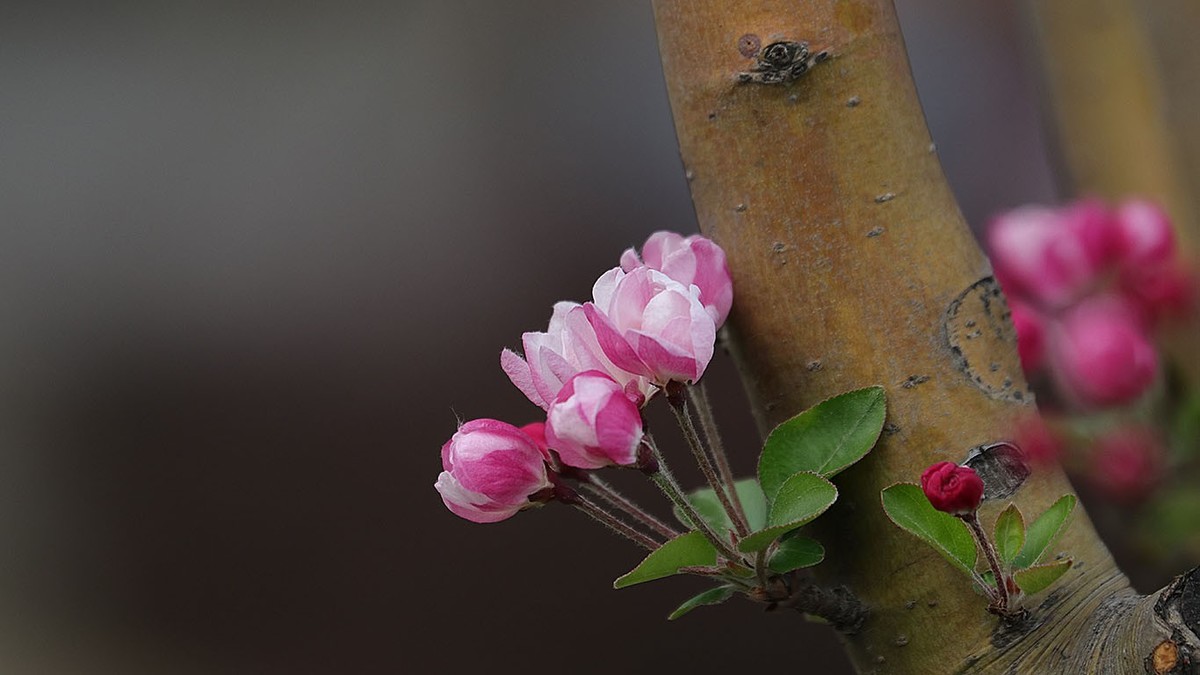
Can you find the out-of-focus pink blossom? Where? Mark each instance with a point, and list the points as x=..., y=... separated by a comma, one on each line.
x=955, y=489
x=1092, y=223
x=688, y=260
x=1160, y=291
x=1039, y=254
x=650, y=324
x=569, y=346
x=1101, y=355
x=1128, y=463
x=490, y=470
x=1031, y=335
x=593, y=424
x=1037, y=440
x=1146, y=236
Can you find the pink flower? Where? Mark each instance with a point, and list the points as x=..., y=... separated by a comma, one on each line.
x=1101, y=354
x=1160, y=291
x=955, y=489
x=692, y=260
x=568, y=346
x=1048, y=255
x=593, y=424
x=1037, y=440
x=490, y=471
x=1128, y=463
x=536, y=431
x=1145, y=234
x=652, y=325
x=1031, y=335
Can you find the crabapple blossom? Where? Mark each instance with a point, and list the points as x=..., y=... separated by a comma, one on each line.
x=593, y=424
x=1145, y=234
x=1101, y=354
x=649, y=324
x=568, y=346
x=490, y=471
x=955, y=489
x=1039, y=254
x=693, y=260
x=1128, y=463
x=1031, y=335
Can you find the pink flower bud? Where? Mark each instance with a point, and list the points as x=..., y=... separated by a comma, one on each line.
x=1093, y=225
x=692, y=260
x=490, y=471
x=1037, y=440
x=1101, y=355
x=955, y=489
x=1031, y=335
x=536, y=431
x=1146, y=236
x=651, y=325
x=1047, y=255
x=568, y=347
x=593, y=424
x=1128, y=463
x=1160, y=291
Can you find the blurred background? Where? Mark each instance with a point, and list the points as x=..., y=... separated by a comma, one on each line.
x=258, y=258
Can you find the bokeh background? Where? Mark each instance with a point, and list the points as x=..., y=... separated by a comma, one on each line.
x=258, y=258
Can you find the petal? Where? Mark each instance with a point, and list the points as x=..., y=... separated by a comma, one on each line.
x=612, y=343
x=519, y=372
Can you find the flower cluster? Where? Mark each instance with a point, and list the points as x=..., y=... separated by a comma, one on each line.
x=651, y=321
x=1087, y=285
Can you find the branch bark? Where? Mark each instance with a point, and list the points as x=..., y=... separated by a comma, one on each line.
x=853, y=267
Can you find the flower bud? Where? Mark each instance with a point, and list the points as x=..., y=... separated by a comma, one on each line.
x=1047, y=255
x=650, y=324
x=1031, y=335
x=490, y=470
x=1101, y=354
x=568, y=346
x=1160, y=291
x=955, y=489
x=694, y=260
x=536, y=431
x=593, y=424
x=1040, y=445
x=1128, y=463
x=1146, y=236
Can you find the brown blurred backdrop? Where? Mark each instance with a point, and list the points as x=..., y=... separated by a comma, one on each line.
x=257, y=257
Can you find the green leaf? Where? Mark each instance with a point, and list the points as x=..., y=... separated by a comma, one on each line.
x=749, y=493
x=1009, y=533
x=1038, y=577
x=713, y=596
x=686, y=550
x=908, y=507
x=1043, y=531
x=796, y=552
x=801, y=498
x=824, y=439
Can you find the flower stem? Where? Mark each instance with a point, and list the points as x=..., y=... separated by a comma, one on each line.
x=699, y=399
x=679, y=406
x=610, y=495
x=666, y=482
x=568, y=495
x=1000, y=599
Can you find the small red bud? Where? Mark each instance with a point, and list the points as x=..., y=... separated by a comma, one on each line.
x=955, y=489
